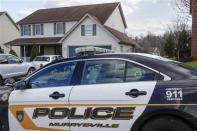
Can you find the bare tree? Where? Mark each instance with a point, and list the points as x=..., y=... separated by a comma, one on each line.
x=183, y=9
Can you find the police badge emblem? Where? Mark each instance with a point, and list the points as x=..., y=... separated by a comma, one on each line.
x=20, y=115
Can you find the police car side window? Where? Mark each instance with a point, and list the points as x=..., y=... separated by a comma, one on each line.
x=103, y=71
x=138, y=73
x=54, y=76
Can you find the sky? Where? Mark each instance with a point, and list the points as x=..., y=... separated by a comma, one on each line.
x=142, y=16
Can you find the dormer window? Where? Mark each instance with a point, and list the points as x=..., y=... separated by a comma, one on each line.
x=59, y=28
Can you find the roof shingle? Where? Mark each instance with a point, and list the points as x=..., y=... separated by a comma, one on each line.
x=123, y=37
x=30, y=41
x=73, y=13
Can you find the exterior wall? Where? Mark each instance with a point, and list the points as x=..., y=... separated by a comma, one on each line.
x=8, y=32
x=115, y=21
x=102, y=38
x=126, y=48
x=194, y=30
x=49, y=30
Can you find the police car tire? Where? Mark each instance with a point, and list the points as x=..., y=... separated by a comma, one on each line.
x=166, y=124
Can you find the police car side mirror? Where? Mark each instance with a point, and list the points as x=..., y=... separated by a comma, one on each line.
x=21, y=85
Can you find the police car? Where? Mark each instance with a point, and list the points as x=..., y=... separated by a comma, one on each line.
x=105, y=92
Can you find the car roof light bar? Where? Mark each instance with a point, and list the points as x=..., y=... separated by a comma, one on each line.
x=81, y=51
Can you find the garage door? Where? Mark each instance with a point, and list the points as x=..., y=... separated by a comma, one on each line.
x=72, y=53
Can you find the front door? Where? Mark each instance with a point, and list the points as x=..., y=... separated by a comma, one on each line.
x=112, y=95
x=44, y=104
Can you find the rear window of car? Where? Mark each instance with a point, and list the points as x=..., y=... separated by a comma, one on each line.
x=47, y=59
x=184, y=67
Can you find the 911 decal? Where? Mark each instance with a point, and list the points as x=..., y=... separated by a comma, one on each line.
x=173, y=94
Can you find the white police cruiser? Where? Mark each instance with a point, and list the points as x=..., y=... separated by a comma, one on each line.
x=105, y=92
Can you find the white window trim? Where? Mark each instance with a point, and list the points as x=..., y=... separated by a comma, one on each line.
x=85, y=29
x=40, y=29
x=24, y=30
x=57, y=28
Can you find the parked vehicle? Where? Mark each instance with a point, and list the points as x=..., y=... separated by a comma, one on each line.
x=12, y=66
x=43, y=60
x=106, y=92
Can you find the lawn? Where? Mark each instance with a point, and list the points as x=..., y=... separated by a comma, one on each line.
x=192, y=63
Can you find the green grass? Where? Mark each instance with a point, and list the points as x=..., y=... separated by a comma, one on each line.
x=192, y=63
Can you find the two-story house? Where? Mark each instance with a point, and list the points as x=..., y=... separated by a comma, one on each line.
x=62, y=30
x=8, y=31
x=194, y=27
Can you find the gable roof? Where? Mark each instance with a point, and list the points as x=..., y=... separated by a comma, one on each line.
x=9, y=17
x=1, y=13
x=72, y=13
x=122, y=37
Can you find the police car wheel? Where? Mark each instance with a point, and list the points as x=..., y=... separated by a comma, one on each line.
x=166, y=124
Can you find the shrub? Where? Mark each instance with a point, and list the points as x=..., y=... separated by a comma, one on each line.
x=12, y=52
x=34, y=52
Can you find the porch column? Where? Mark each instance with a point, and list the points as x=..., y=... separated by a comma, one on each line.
x=24, y=51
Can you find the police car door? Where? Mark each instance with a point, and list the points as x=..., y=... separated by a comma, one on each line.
x=44, y=104
x=112, y=95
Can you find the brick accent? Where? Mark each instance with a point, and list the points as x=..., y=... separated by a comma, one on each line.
x=194, y=29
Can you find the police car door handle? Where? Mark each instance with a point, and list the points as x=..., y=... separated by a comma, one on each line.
x=56, y=95
x=135, y=93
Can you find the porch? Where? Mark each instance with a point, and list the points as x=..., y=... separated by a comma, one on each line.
x=46, y=46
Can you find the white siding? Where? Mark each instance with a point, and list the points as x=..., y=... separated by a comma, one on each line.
x=49, y=30
x=8, y=32
x=126, y=48
x=115, y=21
x=102, y=38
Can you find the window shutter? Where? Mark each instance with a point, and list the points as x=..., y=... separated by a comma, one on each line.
x=34, y=29
x=64, y=27
x=94, y=30
x=21, y=30
x=82, y=30
x=54, y=28
x=29, y=30
x=42, y=29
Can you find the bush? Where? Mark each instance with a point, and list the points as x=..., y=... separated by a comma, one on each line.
x=12, y=52
x=1, y=50
x=34, y=52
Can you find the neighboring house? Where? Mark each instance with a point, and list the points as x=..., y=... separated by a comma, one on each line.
x=194, y=28
x=61, y=30
x=8, y=31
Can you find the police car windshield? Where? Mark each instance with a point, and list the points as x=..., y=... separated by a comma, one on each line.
x=42, y=59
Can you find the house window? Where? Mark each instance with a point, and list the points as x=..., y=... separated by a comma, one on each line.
x=121, y=48
x=26, y=30
x=59, y=28
x=88, y=30
x=37, y=29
